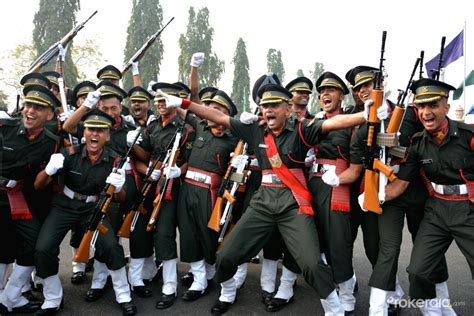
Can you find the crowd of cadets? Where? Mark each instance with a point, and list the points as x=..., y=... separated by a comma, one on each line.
x=302, y=204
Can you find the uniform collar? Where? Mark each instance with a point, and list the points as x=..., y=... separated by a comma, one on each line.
x=103, y=157
x=453, y=132
x=289, y=126
x=23, y=131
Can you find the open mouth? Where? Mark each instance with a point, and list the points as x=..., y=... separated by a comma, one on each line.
x=271, y=119
x=327, y=101
x=94, y=141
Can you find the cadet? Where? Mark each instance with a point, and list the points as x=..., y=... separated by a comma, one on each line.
x=26, y=146
x=140, y=100
x=300, y=88
x=332, y=204
x=275, y=205
x=444, y=154
x=85, y=173
x=110, y=73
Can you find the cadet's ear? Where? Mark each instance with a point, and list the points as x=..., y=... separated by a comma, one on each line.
x=50, y=114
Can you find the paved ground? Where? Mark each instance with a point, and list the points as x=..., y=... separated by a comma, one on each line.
x=248, y=302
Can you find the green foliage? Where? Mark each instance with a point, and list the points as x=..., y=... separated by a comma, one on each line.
x=198, y=38
x=3, y=101
x=275, y=63
x=300, y=73
x=315, y=74
x=241, y=84
x=54, y=19
x=146, y=19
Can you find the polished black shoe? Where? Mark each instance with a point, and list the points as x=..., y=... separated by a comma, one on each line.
x=78, y=277
x=36, y=287
x=28, y=308
x=349, y=313
x=267, y=297
x=94, y=294
x=165, y=301
x=128, y=308
x=30, y=296
x=142, y=291
x=187, y=279
x=277, y=304
x=393, y=309
x=49, y=311
x=191, y=295
x=220, y=307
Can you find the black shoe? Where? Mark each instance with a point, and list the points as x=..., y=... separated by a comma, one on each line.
x=191, y=295
x=128, y=308
x=50, y=311
x=165, y=301
x=94, y=294
x=349, y=313
x=220, y=307
x=90, y=265
x=78, y=277
x=393, y=309
x=142, y=291
x=28, y=308
x=36, y=287
x=3, y=309
x=30, y=296
x=187, y=279
x=356, y=288
x=277, y=304
x=267, y=297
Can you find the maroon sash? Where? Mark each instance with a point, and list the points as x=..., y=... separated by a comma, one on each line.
x=18, y=206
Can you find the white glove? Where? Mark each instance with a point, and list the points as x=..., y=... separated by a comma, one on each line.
x=360, y=199
x=172, y=172
x=55, y=163
x=4, y=115
x=11, y=184
x=309, y=160
x=129, y=119
x=149, y=89
x=330, y=178
x=254, y=162
x=155, y=175
x=117, y=179
x=131, y=137
x=196, y=60
x=248, y=118
x=65, y=115
x=367, y=105
x=150, y=119
x=239, y=160
x=171, y=100
x=127, y=166
x=62, y=52
x=382, y=111
x=135, y=70
x=320, y=115
x=92, y=99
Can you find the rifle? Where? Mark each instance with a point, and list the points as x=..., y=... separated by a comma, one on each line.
x=44, y=58
x=140, y=52
x=223, y=193
x=374, y=161
x=95, y=224
x=164, y=181
x=422, y=56
x=435, y=74
x=130, y=220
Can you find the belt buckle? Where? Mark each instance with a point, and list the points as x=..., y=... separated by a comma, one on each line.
x=451, y=190
x=275, y=179
x=199, y=178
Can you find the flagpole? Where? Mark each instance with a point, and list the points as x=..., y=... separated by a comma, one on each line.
x=465, y=56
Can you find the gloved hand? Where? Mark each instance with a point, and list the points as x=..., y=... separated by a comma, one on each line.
x=149, y=89
x=62, y=52
x=171, y=100
x=330, y=178
x=239, y=160
x=155, y=174
x=4, y=115
x=92, y=99
x=254, y=162
x=150, y=119
x=117, y=179
x=11, y=184
x=127, y=166
x=129, y=119
x=131, y=137
x=65, y=115
x=309, y=160
x=55, y=163
x=360, y=199
x=382, y=111
x=135, y=70
x=248, y=118
x=172, y=172
x=367, y=105
x=196, y=60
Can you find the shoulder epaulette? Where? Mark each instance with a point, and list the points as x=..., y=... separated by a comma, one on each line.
x=418, y=135
x=466, y=127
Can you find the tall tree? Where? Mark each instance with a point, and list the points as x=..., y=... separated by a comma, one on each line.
x=3, y=101
x=54, y=19
x=198, y=38
x=300, y=73
x=275, y=63
x=315, y=74
x=241, y=85
x=146, y=19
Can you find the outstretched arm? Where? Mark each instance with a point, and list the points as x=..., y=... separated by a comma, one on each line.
x=342, y=121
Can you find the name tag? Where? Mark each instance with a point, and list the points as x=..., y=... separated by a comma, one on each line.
x=75, y=172
x=201, y=138
x=426, y=161
x=262, y=146
x=8, y=148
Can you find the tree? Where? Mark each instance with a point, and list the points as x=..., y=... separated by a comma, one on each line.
x=146, y=19
x=3, y=101
x=241, y=85
x=198, y=38
x=275, y=63
x=54, y=19
x=315, y=74
x=299, y=73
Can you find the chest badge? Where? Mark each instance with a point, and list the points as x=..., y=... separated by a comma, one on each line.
x=275, y=161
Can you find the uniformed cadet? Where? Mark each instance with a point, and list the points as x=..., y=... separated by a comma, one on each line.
x=158, y=135
x=85, y=173
x=140, y=107
x=184, y=92
x=443, y=152
x=25, y=148
x=206, y=94
x=207, y=164
x=276, y=205
x=300, y=88
x=81, y=90
x=110, y=73
x=53, y=78
x=331, y=199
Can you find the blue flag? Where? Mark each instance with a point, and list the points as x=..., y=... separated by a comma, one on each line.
x=452, y=52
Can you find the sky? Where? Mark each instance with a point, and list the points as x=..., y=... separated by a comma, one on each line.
x=339, y=34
